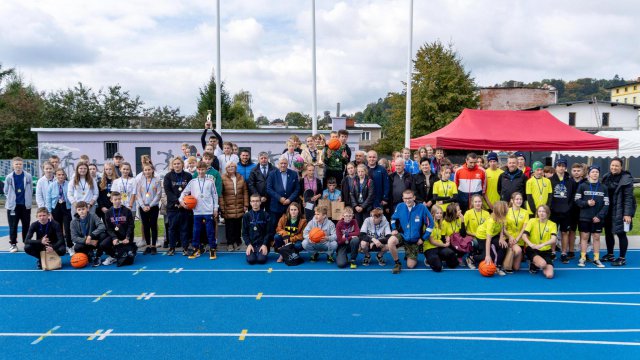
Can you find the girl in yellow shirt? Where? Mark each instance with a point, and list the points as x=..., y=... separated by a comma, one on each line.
x=475, y=216
x=517, y=218
x=445, y=191
x=436, y=250
x=539, y=235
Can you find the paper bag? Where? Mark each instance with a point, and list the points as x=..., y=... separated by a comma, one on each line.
x=324, y=202
x=337, y=207
x=50, y=260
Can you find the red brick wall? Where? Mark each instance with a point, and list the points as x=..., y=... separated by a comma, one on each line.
x=514, y=98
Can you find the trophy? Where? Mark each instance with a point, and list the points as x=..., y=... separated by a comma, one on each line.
x=207, y=125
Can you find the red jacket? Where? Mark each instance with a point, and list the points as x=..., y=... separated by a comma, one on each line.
x=346, y=231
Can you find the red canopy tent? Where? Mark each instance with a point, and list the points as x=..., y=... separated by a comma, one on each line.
x=512, y=130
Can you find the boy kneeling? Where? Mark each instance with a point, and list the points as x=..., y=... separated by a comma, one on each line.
x=87, y=232
x=48, y=237
x=327, y=245
x=119, y=242
x=256, y=232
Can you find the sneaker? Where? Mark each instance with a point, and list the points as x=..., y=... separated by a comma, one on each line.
x=396, y=268
x=236, y=247
x=171, y=252
x=501, y=272
x=353, y=265
x=532, y=268
x=230, y=248
x=571, y=255
x=154, y=250
x=508, y=271
x=598, y=263
x=185, y=252
x=619, y=262
x=470, y=264
x=194, y=253
x=426, y=264
x=314, y=257
x=330, y=259
x=147, y=250
x=96, y=261
x=71, y=251
x=588, y=259
x=13, y=248
x=212, y=254
x=607, y=258
x=366, y=260
x=109, y=260
x=38, y=265
x=582, y=262
x=564, y=258
x=381, y=261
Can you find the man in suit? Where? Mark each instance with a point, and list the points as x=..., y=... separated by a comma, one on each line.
x=257, y=182
x=283, y=187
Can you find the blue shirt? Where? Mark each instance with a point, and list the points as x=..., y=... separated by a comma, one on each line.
x=19, y=188
x=283, y=175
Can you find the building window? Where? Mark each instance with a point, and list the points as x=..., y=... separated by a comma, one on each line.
x=617, y=91
x=635, y=87
x=110, y=148
x=366, y=135
x=634, y=99
x=572, y=119
x=626, y=89
x=625, y=100
x=605, y=119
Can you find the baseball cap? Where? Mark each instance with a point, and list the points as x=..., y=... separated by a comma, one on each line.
x=561, y=161
x=520, y=154
x=492, y=156
x=118, y=154
x=594, y=167
x=537, y=165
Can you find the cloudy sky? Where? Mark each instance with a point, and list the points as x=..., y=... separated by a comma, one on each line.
x=164, y=50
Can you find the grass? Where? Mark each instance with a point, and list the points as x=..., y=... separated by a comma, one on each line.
x=161, y=230
x=636, y=219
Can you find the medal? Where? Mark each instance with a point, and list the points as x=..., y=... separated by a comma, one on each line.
x=255, y=228
x=19, y=191
x=180, y=188
x=84, y=193
x=60, y=201
x=201, y=196
x=116, y=228
x=108, y=194
x=147, y=195
x=124, y=196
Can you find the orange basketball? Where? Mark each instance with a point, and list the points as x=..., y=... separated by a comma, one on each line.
x=334, y=144
x=190, y=201
x=79, y=260
x=487, y=269
x=316, y=235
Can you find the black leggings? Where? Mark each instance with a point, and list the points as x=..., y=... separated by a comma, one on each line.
x=436, y=256
x=611, y=240
x=150, y=224
x=497, y=252
x=20, y=214
x=62, y=216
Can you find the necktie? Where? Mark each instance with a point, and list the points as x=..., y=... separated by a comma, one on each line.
x=264, y=171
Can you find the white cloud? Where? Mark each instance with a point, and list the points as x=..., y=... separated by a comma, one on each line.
x=165, y=50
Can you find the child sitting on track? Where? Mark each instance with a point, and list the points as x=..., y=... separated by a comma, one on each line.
x=347, y=231
x=87, y=232
x=539, y=234
x=119, y=222
x=48, y=237
x=255, y=232
x=327, y=245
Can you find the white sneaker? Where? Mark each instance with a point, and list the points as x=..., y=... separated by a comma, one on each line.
x=582, y=262
x=598, y=263
x=109, y=260
x=13, y=248
x=501, y=272
x=71, y=251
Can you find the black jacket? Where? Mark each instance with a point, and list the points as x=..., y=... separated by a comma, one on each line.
x=597, y=192
x=563, y=194
x=345, y=189
x=367, y=194
x=622, y=201
x=53, y=231
x=126, y=223
x=424, y=192
x=103, y=197
x=408, y=184
x=258, y=220
x=257, y=183
x=96, y=229
x=172, y=184
x=508, y=183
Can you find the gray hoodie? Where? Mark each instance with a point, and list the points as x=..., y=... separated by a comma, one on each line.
x=10, y=191
x=96, y=228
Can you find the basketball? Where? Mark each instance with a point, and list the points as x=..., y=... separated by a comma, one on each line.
x=487, y=269
x=334, y=144
x=79, y=260
x=190, y=202
x=316, y=235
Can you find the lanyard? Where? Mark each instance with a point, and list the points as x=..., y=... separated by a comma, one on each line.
x=116, y=218
x=332, y=196
x=46, y=228
x=148, y=185
x=254, y=218
x=516, y=216
x=310, y=184
x=543, y=231
x=85, y=228
x=446, y=190
x=179, y=180
x=126, y=185
x=475, y=214
x=593, y=193
x=83, y=186
x=201, y=186
x=453, y=230
x=60, y=191
x=376, y=228
x=539, y=187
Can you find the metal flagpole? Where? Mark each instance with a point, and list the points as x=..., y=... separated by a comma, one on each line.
x=314, y=98
x=218, y=78
x=407, y=129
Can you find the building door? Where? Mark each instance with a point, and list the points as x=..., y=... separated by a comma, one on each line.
x=139, y=152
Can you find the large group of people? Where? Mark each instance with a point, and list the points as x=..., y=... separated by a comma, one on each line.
x=454, y=215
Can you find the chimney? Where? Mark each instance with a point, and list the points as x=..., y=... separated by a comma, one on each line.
x=338, y=111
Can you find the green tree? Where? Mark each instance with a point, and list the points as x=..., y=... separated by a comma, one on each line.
x=163, y=117
x=298, y=119
x=262, y=120
x=207, y=101
x=377, y=112
x=20, y=110
x=441, y=90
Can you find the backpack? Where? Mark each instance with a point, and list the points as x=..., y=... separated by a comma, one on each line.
x=463, y=244
x=125, y=255
x=290, y=255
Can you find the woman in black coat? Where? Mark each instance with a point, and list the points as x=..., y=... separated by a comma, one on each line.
x=622, y=208
x=423, y=183
x=361, y=194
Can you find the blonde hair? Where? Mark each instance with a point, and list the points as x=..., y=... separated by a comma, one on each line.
x=500, y=209
x=322, y=210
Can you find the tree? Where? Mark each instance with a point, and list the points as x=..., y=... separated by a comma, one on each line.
x=298, y=119
x=377, y=112
x=164, y=117
x=207, y=101
x=20, y=110
x=441, y=90
x=262, y=120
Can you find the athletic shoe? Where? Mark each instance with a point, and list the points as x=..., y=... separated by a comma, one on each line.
x=501, y=272
x=470, y=264
x=212, y=254
x=38, y=265
x=381, y=261
x=564, y=258
x=366, y=260
x=588, y=259
x=426, y=264
x=396, y=268
x=508, y=271
x=194, y=253
x=13, y=248
x=619, y=262
x=571, y=255
x=582, y=262
x=154, y=251
x=109, y=260
x=598, y=263
x=165, y=244
x=71, y=251
x=236, y=247
x=532, y=268
x=314, y=257
x=147, y=250
x=185, y=252
x=330, y=259
x=171, y=252
x=553, y=256
x=230, y=248
x=96, y=261
x=608, y=257
x=353, y=265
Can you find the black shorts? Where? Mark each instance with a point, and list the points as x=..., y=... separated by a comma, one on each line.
x=590, y=227
x=562, y=220
x=382, y=240
x=546, y=255
x=574, y=219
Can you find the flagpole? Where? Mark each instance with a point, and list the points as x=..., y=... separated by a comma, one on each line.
x=314, y=97
x=407, y=129
x=218, y=78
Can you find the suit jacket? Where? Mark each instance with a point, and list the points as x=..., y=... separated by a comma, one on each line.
x=276, y=190
x=257, y=182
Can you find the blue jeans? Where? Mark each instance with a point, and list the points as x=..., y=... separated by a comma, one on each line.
x=208, y=222
x=328, y=247
x=178, y=228
x=278, y=242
